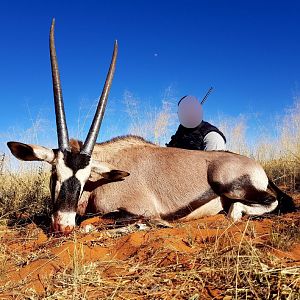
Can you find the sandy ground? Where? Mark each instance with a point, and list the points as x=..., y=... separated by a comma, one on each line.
x=38, y=264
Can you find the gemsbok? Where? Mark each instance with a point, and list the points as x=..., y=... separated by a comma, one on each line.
x=133, y=175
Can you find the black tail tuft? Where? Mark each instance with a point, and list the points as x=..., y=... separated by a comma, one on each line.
x=286, y=203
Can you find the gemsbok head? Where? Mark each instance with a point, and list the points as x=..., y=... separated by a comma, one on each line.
x=70, y=169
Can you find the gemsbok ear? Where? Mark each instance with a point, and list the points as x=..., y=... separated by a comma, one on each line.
x=31, y=152
x=107, y=171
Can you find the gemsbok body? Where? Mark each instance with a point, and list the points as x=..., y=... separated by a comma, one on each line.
x=143, y=179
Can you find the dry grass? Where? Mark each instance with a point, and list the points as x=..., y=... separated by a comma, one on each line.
x=26, y=192
x=284, y=160
x=221, y=268
x=279, y=152
x=209, y=274
x=284, y=234
x=153, y=123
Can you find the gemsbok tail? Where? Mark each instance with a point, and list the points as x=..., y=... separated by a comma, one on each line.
x=286, y=203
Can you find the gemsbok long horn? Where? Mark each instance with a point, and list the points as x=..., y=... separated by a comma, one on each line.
x=61, y=124
x=94, y=129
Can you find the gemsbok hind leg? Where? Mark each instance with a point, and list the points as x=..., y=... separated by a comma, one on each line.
x=247, y=194
x=265, y=203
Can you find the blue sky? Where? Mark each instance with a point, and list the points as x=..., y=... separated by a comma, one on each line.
x=249, y=51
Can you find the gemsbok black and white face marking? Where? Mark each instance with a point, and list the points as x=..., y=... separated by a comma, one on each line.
x=70, y=169
x=68, y=178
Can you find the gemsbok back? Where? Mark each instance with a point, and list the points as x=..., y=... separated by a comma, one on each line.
x=132, y=175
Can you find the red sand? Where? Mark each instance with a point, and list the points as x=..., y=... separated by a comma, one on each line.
x=55, y=254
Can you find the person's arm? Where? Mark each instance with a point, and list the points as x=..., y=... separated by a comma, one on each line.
x=214, y=141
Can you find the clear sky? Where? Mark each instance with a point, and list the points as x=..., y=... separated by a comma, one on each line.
x=249, y=51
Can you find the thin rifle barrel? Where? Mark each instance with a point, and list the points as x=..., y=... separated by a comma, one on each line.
x=207, y=94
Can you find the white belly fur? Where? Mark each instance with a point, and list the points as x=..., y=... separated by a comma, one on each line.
x=210, y=208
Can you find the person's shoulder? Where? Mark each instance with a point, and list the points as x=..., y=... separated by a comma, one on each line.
x=205, y=123
x=181, y=128
x=209, y=126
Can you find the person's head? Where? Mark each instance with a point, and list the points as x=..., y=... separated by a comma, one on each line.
x=190, y=112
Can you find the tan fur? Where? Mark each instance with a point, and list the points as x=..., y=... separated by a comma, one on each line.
x=162, y=180
x=163, y=183
x=105, y=150
x=75, y=145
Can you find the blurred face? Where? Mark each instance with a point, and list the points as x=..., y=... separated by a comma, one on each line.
x=190, y=112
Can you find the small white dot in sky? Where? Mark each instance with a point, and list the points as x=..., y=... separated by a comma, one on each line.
x=155, y=54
